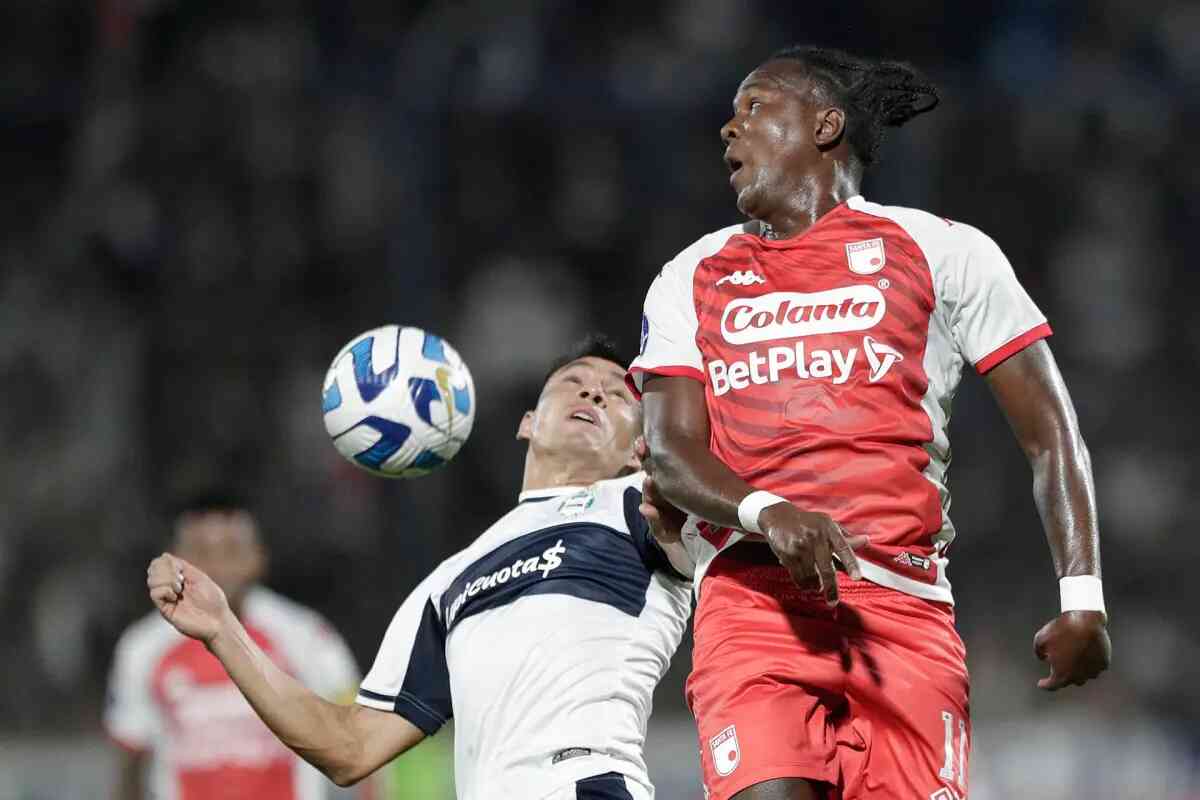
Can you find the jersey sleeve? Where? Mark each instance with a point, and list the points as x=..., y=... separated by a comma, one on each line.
x=131, y=717
x=671, y=559
x=992, y=316
x=669, y=323
x=410, y=676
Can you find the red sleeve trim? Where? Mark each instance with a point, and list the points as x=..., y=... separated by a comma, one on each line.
x=1012, y=347
x=128, y=747
x=671, y=372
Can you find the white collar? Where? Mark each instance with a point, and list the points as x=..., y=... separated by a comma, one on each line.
x=535, y=495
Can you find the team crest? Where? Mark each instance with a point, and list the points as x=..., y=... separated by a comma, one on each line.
x=866, y=258
x=726, y=754
x=576, y=504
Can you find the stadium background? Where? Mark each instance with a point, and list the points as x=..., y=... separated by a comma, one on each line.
x=204, y=201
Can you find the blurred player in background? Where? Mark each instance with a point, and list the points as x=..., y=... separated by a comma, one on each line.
x=171, y=704
x=544, y=639
x=798, y=372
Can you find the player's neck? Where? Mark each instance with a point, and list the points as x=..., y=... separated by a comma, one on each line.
x=817, y=195
x=545, y=471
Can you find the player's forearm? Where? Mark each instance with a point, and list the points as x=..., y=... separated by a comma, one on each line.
x=1066, y=500
x=314, y=728
x=694, y=480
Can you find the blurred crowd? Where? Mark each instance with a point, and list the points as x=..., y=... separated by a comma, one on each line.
x=205, y=201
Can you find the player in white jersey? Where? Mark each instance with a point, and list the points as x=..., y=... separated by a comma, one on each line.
x=172, y=707
x=544, y=639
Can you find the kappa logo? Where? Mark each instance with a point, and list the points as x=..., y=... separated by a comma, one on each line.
x=746, y=277
x=945, y=793
x=866, y=258
x=726, y=754
x=880, y=358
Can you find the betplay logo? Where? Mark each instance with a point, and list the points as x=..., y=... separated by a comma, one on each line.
x=797, y=360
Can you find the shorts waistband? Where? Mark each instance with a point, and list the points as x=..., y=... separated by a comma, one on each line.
x=754, y=565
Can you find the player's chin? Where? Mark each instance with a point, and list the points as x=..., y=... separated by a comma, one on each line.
x=747, y=200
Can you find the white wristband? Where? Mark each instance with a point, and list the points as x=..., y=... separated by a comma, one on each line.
x=752, y=505
x=1081, y=593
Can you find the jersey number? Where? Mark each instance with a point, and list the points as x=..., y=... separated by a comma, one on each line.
x=947, y=772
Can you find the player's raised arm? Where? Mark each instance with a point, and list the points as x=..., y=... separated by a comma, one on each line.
x=347, y=743
x=1030, y=390
x=688, y=475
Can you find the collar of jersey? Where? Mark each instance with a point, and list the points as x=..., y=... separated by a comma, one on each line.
x=853, y=203
x=538, y=495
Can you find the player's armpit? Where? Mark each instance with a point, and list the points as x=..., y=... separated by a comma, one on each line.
x=378, y=736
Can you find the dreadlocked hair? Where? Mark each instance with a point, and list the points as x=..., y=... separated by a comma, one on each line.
x=874, y=94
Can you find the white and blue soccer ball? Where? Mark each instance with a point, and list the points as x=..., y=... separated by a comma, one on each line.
x=398, y=401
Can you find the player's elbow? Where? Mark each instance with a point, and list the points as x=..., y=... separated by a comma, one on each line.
x=346, y=773
x=667, y=467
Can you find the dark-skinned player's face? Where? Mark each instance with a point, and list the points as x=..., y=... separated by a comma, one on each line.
x=770, y=141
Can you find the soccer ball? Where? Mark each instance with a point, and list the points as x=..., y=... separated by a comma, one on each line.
x=398, y=401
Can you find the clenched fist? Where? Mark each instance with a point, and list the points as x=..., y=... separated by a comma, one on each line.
x=187, y=598
x=1076, y=646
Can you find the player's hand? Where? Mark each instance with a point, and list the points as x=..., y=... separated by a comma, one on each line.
x=1076, y=646
x=806, y=542
x=186, y=597
x=666, y=521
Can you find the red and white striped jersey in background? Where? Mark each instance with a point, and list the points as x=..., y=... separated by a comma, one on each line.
x=830, y=361
x=172, y=698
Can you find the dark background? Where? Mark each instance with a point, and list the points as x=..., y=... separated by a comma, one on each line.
x=203, y=202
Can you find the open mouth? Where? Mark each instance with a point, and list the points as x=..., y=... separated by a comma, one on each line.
x=585, y=415
x=733, y=164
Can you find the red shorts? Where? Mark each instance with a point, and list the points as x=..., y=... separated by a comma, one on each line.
x=868, y=698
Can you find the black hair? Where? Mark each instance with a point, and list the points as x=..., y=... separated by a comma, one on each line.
x=873, y=93
x=593, y=345
x=214, y=498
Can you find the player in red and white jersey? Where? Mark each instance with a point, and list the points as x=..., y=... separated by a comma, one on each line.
x=798, y=373
x=171, y=704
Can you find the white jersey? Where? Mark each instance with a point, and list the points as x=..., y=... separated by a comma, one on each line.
x=172, y=698
x=830, y=361
x=544, y=640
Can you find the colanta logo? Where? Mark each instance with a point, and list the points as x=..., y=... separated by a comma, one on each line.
x=790, y=315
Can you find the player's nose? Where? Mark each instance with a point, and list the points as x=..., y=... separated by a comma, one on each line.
x=595, y=394
x=729, y=131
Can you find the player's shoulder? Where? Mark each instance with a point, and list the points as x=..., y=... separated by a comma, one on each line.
x=685, y=262
x=147, y=636
x=937, y=236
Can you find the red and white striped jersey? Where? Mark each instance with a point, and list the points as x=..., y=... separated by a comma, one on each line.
x=830, y=361
x=170, y=697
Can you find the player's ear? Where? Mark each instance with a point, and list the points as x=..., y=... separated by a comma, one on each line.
x=829, y=127
x=525, y=429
